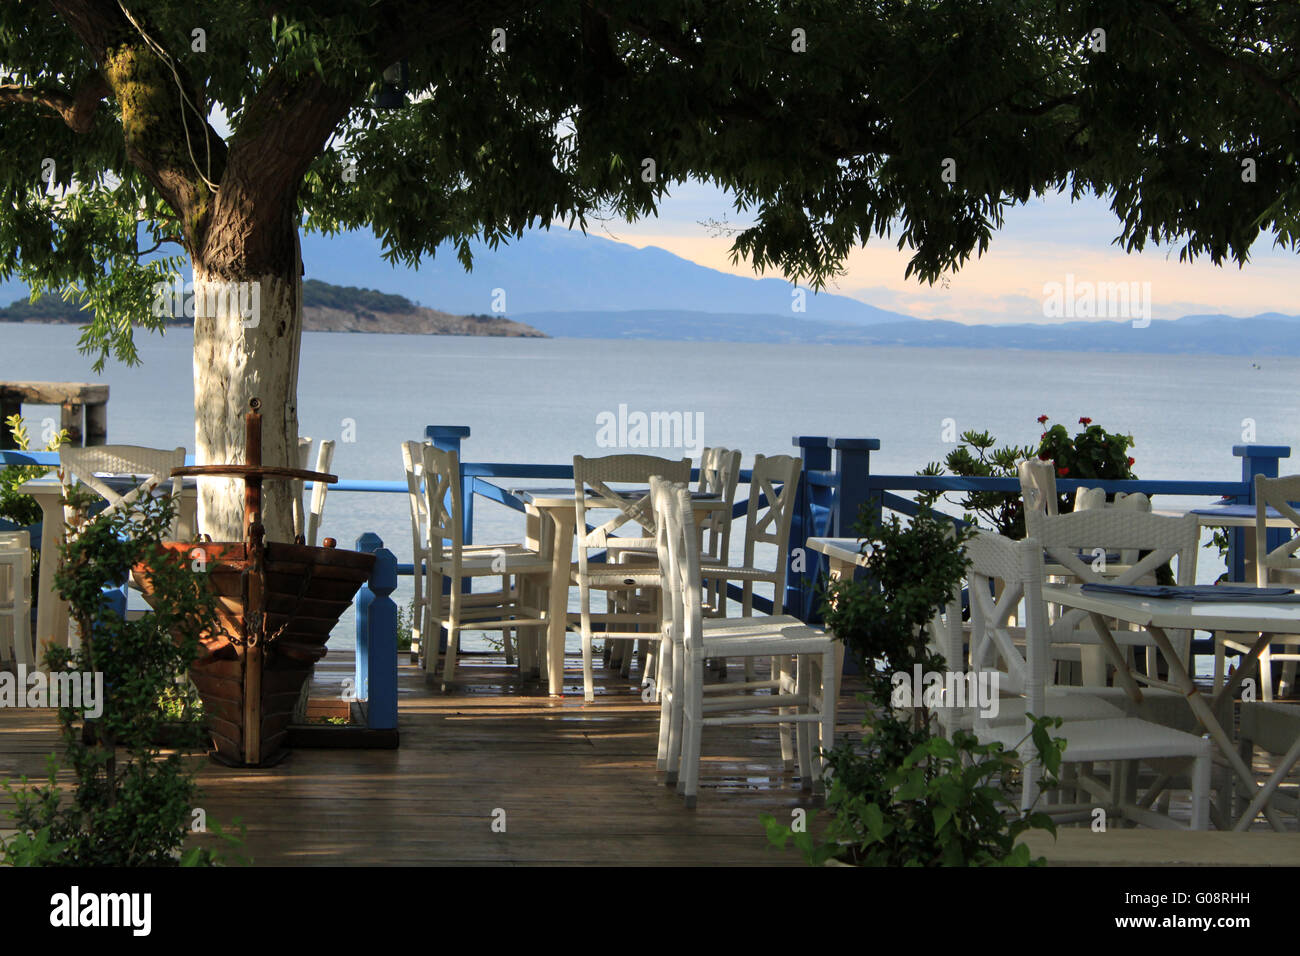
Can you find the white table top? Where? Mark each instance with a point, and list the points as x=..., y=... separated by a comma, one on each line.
x=1257, y=616
x=48, y=485
x=1226, y=519
x=841, y=549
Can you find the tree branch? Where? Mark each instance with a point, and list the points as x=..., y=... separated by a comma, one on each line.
x=1260, y=78
x=77, y=110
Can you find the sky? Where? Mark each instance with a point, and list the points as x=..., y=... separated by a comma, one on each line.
x=1039, y=243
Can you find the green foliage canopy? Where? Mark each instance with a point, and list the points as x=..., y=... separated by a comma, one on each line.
x=829, y=123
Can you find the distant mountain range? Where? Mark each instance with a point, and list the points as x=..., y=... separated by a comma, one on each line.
x=1268, y=334
x=566, y=284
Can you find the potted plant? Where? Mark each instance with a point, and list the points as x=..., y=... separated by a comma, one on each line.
x=1092, y=453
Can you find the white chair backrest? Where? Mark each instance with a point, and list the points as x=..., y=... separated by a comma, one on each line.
x=592, y=478
x=1276, y=493
x=770, y=523
x=15, y=548
x=1090, y=499
x=324, y=459
x=413, y=465
x=443, y=500
x=308, y=524
x=14, y=541
x=1017, y=568
x=719, y=475
x=679, y=559
x=1037, y=491
x=1074, y=541
x=153, y=464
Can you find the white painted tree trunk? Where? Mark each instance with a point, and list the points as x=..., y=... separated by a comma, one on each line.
x=246, y=343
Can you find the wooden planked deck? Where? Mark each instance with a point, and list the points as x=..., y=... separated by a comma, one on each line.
x=576, y=784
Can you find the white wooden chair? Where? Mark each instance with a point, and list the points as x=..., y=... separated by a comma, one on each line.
x=1275, y=567
x=16, y=596
x=805, y=695
x=773, y=485
x=1070, y=542
x=1275, y=728
x=1019, y=568
x=624, y=570
x=719, y=475
x=306, y=522
x=91, y=465
x=437, y=513
x=1037, y=491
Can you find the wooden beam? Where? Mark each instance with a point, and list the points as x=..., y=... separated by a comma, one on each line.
x=54, y=393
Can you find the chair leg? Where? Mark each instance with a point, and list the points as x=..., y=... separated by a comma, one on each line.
x=449, y=661
x=804, y=729
x=677, y=688
x=1287, y=686
x=1220, y=660
x=1266, y=674
x=689, y=783
x=432, y=626
x=1201, y=769
x=588, y=679
x=782, y=678
x=665, y=706
x=747, y=610
x=829, y=687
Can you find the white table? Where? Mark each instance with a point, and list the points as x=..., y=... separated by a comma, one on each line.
x=1232, y=516
x=844, y=555
x=51, y=610
x=552, y=520
x=1158, y=615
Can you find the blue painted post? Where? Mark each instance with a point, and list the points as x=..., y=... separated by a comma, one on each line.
x=853, y=467
x=449, y=438
x=815, y=453
x=368, y=543
x=382, y=658
x=1255, y=460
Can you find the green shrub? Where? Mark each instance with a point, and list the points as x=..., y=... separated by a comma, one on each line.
x=905, y=796
x=132, y=803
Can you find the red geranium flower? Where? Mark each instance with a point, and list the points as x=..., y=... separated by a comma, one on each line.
x=1042, y=419
x=1062, y=472
x=1085, y=421
x=1131, y=461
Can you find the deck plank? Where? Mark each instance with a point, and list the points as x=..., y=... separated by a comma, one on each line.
x=576, y=782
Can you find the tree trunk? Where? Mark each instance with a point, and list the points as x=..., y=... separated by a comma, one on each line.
x=246, y=336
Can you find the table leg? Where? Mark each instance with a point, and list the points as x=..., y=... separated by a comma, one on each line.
x=1207, y=717
x=1116, y=657
x=1261, y=797
x=562, y=522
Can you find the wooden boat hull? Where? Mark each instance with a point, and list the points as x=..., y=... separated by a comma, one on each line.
x=250, y=692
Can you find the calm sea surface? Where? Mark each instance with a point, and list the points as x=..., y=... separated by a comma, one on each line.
x=530, y=400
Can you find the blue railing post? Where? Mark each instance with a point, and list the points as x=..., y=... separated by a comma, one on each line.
x=805, y=564
x=368, y=543
x=449, y=438
x=853, y=469
x=381, y=676
x=1255, y=460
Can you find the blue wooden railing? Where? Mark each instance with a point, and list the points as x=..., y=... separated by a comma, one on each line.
x=835, y=483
